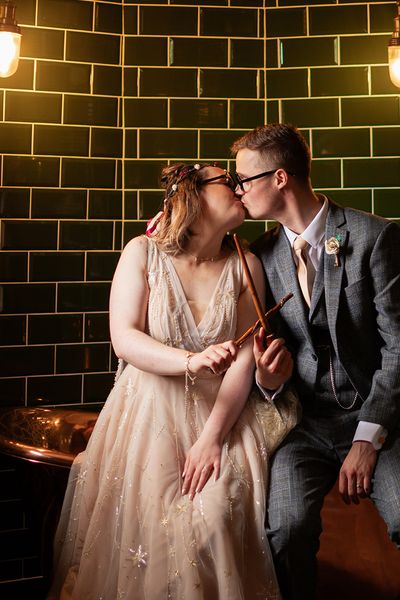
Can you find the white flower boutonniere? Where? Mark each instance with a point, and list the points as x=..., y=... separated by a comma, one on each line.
x=332, y=246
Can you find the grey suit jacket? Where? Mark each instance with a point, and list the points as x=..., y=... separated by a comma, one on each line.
x=362, y=302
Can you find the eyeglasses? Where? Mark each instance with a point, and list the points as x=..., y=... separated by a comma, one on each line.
x=245, y=188
x=228, y=180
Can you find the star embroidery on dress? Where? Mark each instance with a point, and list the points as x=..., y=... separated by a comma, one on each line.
x=181, y=508
x=81, y=477
x=138, y=557
x=129, y=388
x=164, y=522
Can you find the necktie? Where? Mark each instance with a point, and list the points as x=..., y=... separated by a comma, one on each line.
x=305, y=269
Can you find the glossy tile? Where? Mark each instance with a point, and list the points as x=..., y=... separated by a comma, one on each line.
x=53, y=329
x=372, y=172
x=57, y=389
x=250, y=230
x=142, y=174
x=93, y=47
x=97, y=328
x=133, y=229
x=69, y=14
x=163, y=20
x=13, y=331
x=381, y=17
x=386, y=141
x=130, y=206
x=58, y=204
x=15, y=138
x=386, y=203
x=311, y=113
x=86, y=235
x=247, y=53
x=216, y=144
x=363, y=49
x=131, y=143
x=29, y=235
x=89, y=173
x=26, y=12
x=107, y=80
x=106, y=142
x=149, y=204
x=105, y=204
x=56, y=266
x=63, y=77
x=108, y=17
x=14, y=203
x=302, y=2
x=198, y=113
x=380, y=81
x=338, y=19
x=26, y=171
x=33, y=107
x=100, y=266
x=227, y=22
x=13, y=266
x=308, y=52
x=146, y=51
x=228, y=83
x=22, y=79
x=90, y=110
x=37, y=360
x=199, y=52
x=246, y=114
x=339, y=81
x=131, y=81
x=370, y=111
x=359, y=199
x=286, y=22
x=61, y=140
x=273, y=112
x=287, y=83
x=82, y=358
x=155, y=143
x=83, y=297
x=12, y=392
x=22, y=298
x=97, y=387
x=326, y=173
x=131, y=19
x=168, y=82
x=340, y=142
x=38, y=42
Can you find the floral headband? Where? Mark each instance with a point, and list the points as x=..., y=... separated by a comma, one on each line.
x=185, y=172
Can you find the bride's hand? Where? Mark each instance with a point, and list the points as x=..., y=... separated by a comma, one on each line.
x=203, y=460
x=216, y=358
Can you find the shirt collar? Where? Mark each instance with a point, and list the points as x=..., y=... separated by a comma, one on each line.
x=315, y=231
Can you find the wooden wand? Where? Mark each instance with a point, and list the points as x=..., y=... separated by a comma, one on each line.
x=240, y=341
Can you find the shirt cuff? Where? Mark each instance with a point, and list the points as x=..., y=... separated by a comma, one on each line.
x=269, y=395
x=370, y=432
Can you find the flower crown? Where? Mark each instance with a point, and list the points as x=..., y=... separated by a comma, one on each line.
x=182, y=174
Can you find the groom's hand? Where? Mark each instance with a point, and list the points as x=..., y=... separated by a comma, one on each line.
x=274, y=364
x=356, y=472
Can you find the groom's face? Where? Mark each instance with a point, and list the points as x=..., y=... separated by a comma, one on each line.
x=259, y=195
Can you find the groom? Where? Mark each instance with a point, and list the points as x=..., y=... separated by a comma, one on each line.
x=343, y=330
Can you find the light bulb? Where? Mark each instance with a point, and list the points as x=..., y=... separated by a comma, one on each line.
x=394, y=64
x=10, y=44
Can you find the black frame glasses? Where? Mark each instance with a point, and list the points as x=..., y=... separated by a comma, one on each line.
x=229, y=180
x=241, y=181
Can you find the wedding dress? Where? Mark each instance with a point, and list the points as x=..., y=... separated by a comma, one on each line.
x=126, y=531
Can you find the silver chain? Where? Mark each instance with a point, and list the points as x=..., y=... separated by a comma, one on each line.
x=332, y=375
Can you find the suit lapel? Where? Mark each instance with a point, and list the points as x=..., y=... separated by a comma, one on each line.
x=335, y=227
x=317, y=287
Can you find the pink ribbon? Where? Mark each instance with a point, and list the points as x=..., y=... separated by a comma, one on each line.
x=153, y=223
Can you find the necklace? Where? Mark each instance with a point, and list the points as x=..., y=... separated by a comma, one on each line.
x=200, y=259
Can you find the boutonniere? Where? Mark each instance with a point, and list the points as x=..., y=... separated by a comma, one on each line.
x=332, y=246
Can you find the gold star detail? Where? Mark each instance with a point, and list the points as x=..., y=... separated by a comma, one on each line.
x=138, y=557
x=164, y=522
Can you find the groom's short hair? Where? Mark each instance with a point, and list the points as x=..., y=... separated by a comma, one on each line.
x=279, y=143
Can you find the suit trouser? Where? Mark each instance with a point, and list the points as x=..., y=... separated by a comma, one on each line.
x=303, y=470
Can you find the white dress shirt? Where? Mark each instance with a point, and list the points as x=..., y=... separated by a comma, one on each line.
x=314, y=234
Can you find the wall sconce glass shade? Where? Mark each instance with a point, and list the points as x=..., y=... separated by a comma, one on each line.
x=10, y=39
x=394, y=50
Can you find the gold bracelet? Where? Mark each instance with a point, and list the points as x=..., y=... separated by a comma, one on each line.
x=188, y=374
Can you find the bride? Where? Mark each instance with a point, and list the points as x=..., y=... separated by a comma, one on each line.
x=168, y=500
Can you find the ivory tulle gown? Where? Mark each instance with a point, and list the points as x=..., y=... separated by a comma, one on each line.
x=126, y=531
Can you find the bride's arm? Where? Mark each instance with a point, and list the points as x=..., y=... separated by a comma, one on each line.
x=204, y=456
x=128, y=310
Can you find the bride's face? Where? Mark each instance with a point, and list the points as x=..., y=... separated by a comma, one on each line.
x=221, y=205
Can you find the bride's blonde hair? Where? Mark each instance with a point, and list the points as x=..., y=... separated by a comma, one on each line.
x=182, y=205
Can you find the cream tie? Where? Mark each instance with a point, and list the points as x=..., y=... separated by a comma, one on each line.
x=305, y=269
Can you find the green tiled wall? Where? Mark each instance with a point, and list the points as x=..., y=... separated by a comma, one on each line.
x=107, y=92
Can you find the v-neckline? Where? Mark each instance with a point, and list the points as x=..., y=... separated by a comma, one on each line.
x=181, y=291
